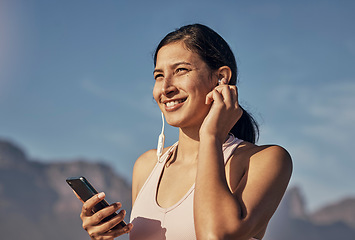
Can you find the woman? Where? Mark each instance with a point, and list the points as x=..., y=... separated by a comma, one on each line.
x=214, y=183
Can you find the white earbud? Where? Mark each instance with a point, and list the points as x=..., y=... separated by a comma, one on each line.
x=161, y=140
x=222, y=80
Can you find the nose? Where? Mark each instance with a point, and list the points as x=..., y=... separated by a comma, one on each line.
x=168, y=87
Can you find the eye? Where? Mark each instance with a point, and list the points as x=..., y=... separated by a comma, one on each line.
x=181, y=70
x=158, y=76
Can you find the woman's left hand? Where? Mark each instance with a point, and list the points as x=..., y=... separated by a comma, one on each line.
x=224, y=112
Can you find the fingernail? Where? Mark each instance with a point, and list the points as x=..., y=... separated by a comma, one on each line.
x=101, y=195
x=128, y=227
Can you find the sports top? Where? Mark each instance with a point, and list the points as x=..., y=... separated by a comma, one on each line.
x=152, y=222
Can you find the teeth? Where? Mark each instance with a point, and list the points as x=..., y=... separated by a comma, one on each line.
x=173, y=103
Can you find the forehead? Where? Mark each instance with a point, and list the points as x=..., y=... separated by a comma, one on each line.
x=176, y=52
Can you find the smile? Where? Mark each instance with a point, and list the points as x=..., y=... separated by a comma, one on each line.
x=171, y=104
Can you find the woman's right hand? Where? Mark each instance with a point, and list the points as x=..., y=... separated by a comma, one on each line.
x=103, y=230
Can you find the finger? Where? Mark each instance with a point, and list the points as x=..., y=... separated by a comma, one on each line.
x=104, y=213
x=209, y=98
x=234, y=91
x=111, y=228
x=117, y=232
x=90, y=203
x=213, y=96
x=113, y=233
x=113, y=223
x=230, y=94
x=226, y=94
x=95, y=222
x=222, y=81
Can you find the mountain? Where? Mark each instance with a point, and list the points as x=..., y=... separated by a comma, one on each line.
x=35, y=201
x=342, y=211
x=292, y=222
x=37, y=204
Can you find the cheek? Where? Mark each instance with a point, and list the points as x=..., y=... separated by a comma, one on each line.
x=202, y=88
x=156, y=93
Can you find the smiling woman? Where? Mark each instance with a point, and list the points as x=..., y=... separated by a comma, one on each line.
x=181, y=85
x=214, y=183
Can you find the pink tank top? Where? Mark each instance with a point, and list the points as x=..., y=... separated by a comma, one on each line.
x=152, y=222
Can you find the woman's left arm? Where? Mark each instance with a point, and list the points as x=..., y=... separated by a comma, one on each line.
x=241, y=213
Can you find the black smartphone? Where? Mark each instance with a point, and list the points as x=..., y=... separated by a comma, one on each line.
x=85, y=190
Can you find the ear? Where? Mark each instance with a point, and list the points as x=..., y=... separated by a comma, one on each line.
x=224, y=72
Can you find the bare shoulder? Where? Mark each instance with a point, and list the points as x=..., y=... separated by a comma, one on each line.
x=142, y=169
x=273, y=155
x=255, y=163
x=145, y=162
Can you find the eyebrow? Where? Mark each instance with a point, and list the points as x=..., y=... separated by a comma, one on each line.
x=173, y=66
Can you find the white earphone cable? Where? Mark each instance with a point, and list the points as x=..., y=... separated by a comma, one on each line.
x=161, y=139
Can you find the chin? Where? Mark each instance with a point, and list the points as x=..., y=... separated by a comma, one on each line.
x=181, y=123
x=173, y=123
x=182, y=119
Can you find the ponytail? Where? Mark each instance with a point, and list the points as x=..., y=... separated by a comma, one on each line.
x=246, y=128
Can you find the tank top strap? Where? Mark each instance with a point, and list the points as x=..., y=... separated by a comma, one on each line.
x=156, y=172
x=229, y=146
x=153, y=178
x=167, y=154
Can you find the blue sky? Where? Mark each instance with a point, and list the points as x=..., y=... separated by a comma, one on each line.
x=76, y=79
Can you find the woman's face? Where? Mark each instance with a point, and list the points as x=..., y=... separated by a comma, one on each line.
x=182, y=81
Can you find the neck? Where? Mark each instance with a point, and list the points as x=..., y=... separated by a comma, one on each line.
x=189, y=142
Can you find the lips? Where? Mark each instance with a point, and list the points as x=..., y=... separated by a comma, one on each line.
x=173, y=104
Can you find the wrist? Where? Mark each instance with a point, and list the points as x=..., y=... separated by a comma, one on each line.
x=221, y=138
x=210, y=139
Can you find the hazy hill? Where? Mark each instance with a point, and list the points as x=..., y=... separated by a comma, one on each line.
x=292, y=222
x=37, y=204
x=342, y=211
x=35, y=201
